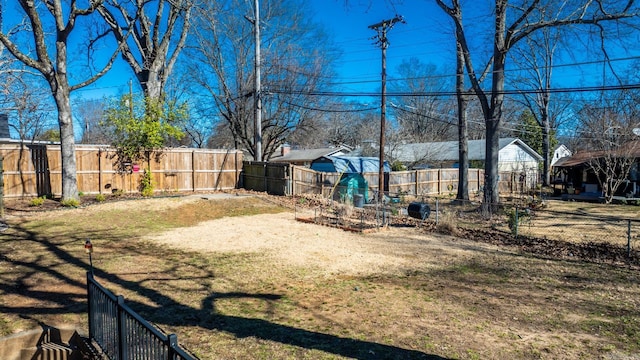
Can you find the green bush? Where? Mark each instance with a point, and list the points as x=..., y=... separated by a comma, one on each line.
x=398, y=166
x=100, y=198
x=515, y=218
x=146, y=184
x=70, y=203
x=37, y=201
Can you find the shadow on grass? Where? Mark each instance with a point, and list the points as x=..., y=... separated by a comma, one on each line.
x=242, y=327
x=20, y=282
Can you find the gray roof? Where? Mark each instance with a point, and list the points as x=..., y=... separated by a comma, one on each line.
x=448, y=150
x=309, y=154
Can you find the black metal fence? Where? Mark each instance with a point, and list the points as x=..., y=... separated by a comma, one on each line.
x=576, y=227
x=123, y=334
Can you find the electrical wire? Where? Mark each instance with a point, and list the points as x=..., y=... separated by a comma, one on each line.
x=453, y=93
x=330, y=110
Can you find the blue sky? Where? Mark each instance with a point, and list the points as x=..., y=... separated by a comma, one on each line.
x=360, y=67
x=428, y=36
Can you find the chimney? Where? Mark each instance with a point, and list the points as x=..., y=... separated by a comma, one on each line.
x=4, y=127
x=284, y=149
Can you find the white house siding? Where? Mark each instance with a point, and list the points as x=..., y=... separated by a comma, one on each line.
x=560, y=152
x=513, y=158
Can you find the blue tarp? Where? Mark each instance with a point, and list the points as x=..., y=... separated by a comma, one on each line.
x=349, y=164
x=351, y=169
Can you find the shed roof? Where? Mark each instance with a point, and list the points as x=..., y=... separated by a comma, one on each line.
x=353, y=164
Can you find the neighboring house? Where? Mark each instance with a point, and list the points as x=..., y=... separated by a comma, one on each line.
x=306, y=156
x=513, y=156
x=561, y=151
x=576, y=176
x=560, y=154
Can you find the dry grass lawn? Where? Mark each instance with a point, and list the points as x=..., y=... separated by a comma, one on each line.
x=238, y=277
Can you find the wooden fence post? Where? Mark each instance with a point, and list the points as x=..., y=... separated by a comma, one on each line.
x=237, y=179
x=193, y=170
x=292, y=168
x=100, y=171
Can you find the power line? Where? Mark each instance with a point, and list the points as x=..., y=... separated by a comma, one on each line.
x=453, y=93
x=331, y=110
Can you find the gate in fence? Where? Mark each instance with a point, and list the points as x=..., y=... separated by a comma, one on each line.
x=122, y=333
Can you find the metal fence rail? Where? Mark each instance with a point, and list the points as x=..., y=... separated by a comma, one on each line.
x=122, y=333
x=578, y=228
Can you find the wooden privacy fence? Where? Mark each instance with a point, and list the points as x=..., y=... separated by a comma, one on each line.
x=31, y=170
x=286, y=179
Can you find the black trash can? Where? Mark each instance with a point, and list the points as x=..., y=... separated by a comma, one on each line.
x=358, y=200
x=419, y=210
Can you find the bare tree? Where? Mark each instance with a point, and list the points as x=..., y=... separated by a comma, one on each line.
x=220, y=136
x=53, y=66
x=26, y=102
x=90, y=113
x=329, y=129
x=513, y=21
x=610, y=131
x=422, y=118
x=536, y=56
x=294, y=64
x=197, y=130
x=152, y=35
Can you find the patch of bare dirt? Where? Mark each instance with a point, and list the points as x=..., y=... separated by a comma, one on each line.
x=283, y=238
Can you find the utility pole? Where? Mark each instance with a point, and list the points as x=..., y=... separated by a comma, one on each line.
x=381, y=40
x=257, y=126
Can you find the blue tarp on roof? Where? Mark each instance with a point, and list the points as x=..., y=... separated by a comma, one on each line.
x=349, y=164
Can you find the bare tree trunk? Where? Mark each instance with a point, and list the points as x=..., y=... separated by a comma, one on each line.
x=463, y=151
x=62, y=93
x=491, y=190
x=546, y=149
x=67, y=142
x=463, y=137
x=493, y=113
